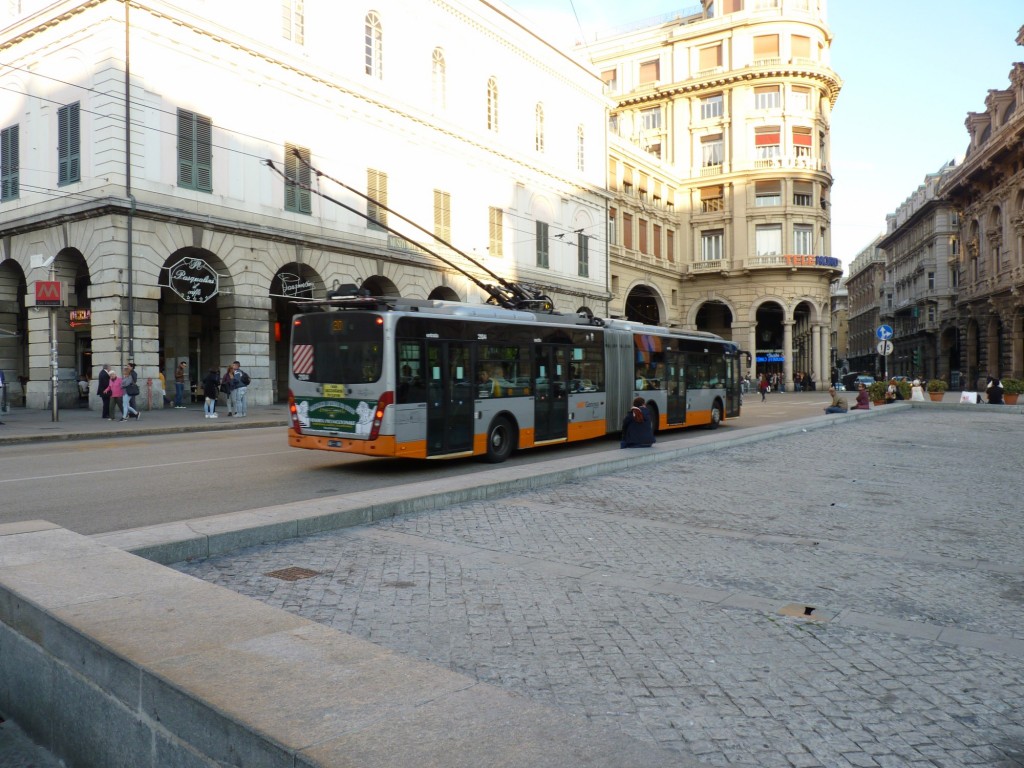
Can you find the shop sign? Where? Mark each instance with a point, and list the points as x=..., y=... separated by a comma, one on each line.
x=194, y=280
x=294, y=287
x=79, y=318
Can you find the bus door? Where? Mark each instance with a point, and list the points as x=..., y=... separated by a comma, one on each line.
x=449, y=398
x=675, y=380
x=732, y=385
x=551, y=390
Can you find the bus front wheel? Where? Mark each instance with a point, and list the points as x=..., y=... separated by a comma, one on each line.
x=501, y=439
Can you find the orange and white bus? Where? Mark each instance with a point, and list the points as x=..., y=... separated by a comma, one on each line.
x=439, y=380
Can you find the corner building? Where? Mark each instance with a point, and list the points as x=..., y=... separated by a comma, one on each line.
x=719, y=176
x=135, y=149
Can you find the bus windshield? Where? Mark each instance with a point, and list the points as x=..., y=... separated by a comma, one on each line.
x=338, y=348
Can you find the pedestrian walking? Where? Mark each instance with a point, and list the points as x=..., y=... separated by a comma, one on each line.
x=211, y=383
x=762, y=387
x=103, y=390
x=180, y=374
x=132, y=387
x=127, y=386
x=917, y=391
x=637, y=426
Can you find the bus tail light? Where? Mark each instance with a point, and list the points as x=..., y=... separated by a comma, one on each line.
x=386, y=399
x=293, y=413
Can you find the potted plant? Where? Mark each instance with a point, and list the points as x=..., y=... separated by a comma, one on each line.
x=877, y=392
x=1012, y=389
x=904, y=387
x=936, y=389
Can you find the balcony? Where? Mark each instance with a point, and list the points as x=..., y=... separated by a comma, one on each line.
x=711, y=170
x=792, y=261
x=706, y=267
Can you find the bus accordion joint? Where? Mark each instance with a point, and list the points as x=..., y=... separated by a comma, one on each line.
x=386, y=399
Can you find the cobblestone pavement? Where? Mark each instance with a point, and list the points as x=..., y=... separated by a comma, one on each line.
x=658, y=602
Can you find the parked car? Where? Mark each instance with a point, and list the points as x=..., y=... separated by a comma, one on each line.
x=851, y=380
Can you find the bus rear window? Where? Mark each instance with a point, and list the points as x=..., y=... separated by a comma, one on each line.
x=338, y=348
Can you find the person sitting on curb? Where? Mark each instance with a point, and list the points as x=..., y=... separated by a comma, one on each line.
x=838, y=404
x=863, y=399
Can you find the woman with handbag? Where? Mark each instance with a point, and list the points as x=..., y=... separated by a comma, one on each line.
x=128, y=390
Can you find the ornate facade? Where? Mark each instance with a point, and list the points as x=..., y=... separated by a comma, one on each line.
x=150, y=156
x=719, y=176
x=988, y=191
x=921, y=246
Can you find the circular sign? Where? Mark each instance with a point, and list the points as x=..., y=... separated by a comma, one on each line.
x=885, y=348
x=194, y=280
x=884, y=332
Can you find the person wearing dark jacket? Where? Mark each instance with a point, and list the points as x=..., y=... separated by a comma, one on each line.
x=637, y=427
x=103, y=390
x=211, y=383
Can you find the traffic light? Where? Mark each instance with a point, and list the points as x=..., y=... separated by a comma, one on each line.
x=917, y=359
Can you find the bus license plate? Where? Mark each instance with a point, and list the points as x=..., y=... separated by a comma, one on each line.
x=334, y=443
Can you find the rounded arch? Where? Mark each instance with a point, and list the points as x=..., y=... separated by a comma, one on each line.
x=443, y=293
x=644, y=304
x=714, y=315
x=292, y=281
x=994, y=339
x=378, y=285
x=13, y=331
x=190, y=331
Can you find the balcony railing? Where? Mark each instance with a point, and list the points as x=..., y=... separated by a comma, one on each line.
x=711, y=170
x=715, y=265
x=792, y=260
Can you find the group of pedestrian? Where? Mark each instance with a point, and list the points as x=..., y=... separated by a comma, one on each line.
x=120, y=390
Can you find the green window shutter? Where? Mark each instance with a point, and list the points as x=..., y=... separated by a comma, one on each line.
x=204, y=154
x=542, y=244
x=195, y=151
x=68, y=148
x=297, y=198
x=9, y=163
x=186, y=149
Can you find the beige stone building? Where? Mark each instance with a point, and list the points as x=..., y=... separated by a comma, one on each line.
x=988, y=190
x=840, y=331
x=719, y=175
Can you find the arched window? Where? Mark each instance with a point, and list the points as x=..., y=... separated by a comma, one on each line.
x=579, y=148
x=374, y=46
x=538, y=127
x=492, y=105
x=437, y=79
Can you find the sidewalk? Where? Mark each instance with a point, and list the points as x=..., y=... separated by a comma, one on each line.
x=23, y=425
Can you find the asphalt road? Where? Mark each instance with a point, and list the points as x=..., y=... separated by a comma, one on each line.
x=97, y=486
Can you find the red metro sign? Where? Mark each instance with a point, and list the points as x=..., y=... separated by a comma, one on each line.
x=194, y=280
x=49, y=293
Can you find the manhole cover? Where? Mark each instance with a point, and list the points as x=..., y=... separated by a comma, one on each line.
x=292, y=574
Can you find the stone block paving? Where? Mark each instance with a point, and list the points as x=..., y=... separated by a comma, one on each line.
x=649, y=601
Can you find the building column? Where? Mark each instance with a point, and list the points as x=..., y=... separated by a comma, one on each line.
x=752, y=342
x=245, y=336
x=816, y=355
x=787, y=352
x=826, y=353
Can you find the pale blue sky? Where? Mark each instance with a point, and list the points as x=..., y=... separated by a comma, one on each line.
x=911, y=70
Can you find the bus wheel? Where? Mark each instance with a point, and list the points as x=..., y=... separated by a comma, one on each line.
x=500, y=440
x=716, y=415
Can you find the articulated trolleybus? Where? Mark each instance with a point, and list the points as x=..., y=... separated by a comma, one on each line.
x=440, y=380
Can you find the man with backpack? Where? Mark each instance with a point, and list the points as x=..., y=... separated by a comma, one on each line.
x=637, y=427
